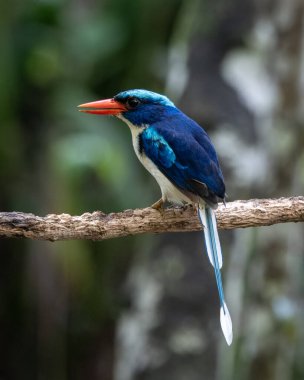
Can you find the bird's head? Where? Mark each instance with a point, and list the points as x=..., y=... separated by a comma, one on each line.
x=139, y=107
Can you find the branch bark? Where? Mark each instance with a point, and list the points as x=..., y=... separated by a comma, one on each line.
x=100, y=226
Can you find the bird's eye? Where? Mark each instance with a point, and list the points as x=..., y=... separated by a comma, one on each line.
x=132, y=102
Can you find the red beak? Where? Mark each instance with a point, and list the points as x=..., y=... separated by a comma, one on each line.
x=103, y=107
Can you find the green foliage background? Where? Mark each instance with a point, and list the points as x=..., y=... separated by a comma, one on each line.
x=60, y=303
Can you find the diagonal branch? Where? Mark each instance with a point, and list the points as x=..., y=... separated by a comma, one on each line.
x=99, y=226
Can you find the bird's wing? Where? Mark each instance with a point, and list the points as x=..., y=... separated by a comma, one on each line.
x=184, y=160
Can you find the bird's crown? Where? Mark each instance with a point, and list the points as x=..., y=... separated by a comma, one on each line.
x=142, y=96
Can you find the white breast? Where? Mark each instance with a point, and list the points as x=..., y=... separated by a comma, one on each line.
x=169, y=191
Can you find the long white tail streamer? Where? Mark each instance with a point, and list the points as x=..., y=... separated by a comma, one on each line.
x=226, y=324
x=208, y=234
x=208, y=220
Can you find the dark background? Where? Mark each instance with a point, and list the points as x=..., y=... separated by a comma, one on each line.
x=146, y=307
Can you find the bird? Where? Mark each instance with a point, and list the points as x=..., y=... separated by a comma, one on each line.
x=179, y=154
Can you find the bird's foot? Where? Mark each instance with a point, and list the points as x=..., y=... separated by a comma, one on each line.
x=159, y=205
x=188, y=205
x=184, y=206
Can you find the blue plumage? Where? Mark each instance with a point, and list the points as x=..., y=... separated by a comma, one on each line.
x=146, y=97
x=157, y=149
x=165, y=130
x=182, y=158
x=190, y=153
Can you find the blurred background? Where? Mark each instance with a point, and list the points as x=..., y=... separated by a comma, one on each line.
x=146, y=307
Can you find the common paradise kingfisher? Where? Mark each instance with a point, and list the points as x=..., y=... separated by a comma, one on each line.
x=181, y=157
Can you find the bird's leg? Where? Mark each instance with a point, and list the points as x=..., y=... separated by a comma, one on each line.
x=186, y=205
x=159, y=205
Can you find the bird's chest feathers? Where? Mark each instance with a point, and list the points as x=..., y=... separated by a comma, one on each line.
x=136, y=140
x=136, y=132
x=169, y=191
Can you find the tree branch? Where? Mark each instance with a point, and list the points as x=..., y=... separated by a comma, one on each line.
x=99, y=226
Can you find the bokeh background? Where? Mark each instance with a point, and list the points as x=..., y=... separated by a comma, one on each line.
x=146, y=307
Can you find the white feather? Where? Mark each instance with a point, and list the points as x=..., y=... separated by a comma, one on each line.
x=226, y=324
x=217, y=240
x=207, y=233
x=203, y=219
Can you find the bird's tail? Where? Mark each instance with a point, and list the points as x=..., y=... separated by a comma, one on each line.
x=208, y=220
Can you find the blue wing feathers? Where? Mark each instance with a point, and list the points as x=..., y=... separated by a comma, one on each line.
x=157, y=148
x=182, y=156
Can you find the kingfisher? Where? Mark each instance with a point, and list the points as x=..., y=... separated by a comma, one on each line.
x=181, y=157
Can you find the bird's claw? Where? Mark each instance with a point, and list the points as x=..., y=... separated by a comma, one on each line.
x=159, y=205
